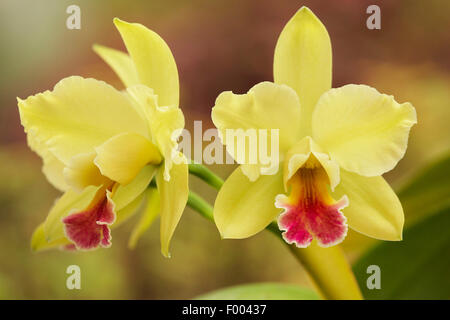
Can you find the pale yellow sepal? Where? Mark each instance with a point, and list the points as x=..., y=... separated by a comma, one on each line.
x=173, y=199
x=244, y=208
x=153, y=60
x=302, y=61
x=374, y=209
x=122, y=157
x=363, y=130
x=266, y=106
x=77, y=116
x=40, y=243
x=297, y=156
x=120, y=62
x=151, y=211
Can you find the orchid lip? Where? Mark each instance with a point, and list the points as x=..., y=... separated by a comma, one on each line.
x=309, y=210
x=89, y=229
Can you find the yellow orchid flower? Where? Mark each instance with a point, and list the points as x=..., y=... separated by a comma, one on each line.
x=102, y=147
x=334, y=145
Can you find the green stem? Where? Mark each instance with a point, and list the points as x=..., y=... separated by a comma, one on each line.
x=201, y=206
x=206, y=175
x=328, y=267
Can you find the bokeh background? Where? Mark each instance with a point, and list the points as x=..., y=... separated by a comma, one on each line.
x=218, y=45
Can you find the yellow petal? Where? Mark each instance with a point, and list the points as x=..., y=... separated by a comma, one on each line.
x=153, y=60
x=123, y=156
x=70, y=202
x=82, y=172
x=120, y=62
x=52, y=167
x=363, y=130
x=266, y=106
x=303, y=61
x=173, y=195
x=297, y=156
x=148, y=216
x=125, y=194
x=244, y=208
x=374, y=208
x=53, y=170
x=78, y=115
x=166, y=123
x=39, y=241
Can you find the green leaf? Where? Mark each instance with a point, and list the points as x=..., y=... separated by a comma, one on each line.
x=261, y=291
x=417, y=267
x=428, y=191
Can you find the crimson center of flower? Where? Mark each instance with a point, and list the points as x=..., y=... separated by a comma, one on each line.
x=90, y=228
x=309, y=210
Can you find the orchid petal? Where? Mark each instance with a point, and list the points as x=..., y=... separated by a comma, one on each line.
x=129, y=210
x=120, y=62
x=71, y=201
x=153, y=60
x=123, y=156
x=365, y=131
x=82, y=172
x=303, y=62
x=166, y=123
x=78, y=115
x=52, y=167
x=150, y=213
x=39, y=241
x=266, y=106
x=90, y=228
x=53, y=170
x=173, y=197
x=297, y=156
x=123, y=195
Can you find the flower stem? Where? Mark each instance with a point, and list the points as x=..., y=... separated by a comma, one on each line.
x=200, y=205
x=328, y=267
x=330, y=271
x=206, y=175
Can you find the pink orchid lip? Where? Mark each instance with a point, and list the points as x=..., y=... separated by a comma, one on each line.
x=89, y=229
x=310, y=212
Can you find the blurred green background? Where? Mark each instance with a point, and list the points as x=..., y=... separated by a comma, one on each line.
x=218, y=45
